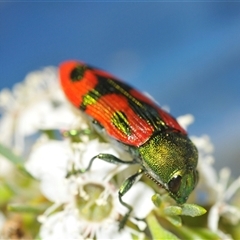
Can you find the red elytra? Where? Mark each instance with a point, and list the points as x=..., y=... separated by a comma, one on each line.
x=126, y=114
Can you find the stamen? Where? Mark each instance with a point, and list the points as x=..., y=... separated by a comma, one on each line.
x=42, y=218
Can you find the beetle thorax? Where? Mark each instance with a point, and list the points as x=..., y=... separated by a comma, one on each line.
x=168, y=157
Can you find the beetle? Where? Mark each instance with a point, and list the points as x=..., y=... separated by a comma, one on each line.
x=154, y=138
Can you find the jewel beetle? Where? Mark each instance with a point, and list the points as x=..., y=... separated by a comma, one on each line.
x=154, y=138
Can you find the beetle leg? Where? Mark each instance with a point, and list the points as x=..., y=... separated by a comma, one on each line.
x=105, y=157
x=111, y=159
x=127, y=184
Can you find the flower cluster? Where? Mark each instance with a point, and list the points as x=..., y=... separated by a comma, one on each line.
x=38, y=124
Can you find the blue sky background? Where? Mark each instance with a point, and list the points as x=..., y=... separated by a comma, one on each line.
x=185, y=54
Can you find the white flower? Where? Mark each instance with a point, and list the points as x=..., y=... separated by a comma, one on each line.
x=206, y=190
x=48, y=163
x=222, y=207
x=37, y=103
x=90, y=198
x=61, y=225
x=214, y=189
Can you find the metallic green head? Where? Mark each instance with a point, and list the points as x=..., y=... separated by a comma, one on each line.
x=170, y=159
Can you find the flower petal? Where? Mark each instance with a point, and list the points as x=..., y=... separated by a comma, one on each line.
x=50, y=157
x=111, y=232
x=61, y=226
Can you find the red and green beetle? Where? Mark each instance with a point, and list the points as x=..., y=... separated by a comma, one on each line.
x=152, y=136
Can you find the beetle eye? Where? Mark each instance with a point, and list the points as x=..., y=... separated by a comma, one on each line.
x=77, y=73
x=174, y=184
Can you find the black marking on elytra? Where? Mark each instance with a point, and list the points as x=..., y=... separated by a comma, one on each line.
x=120, y=121
x=144, y=110
x=149, y=114
x=83, y=107
x=77, y=73
x=102, y=88
x=90, y=98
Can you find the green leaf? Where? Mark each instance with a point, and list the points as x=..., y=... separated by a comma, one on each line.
x=26, y=208
x=187, y=233
x=175, y=220
x=157, y=200
x=173, y=210
x=15, y=159
x=192, y=210
x=10, y=155
x=206, y=233
x=6, y=193
x=157, y=231
x=191, y=233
